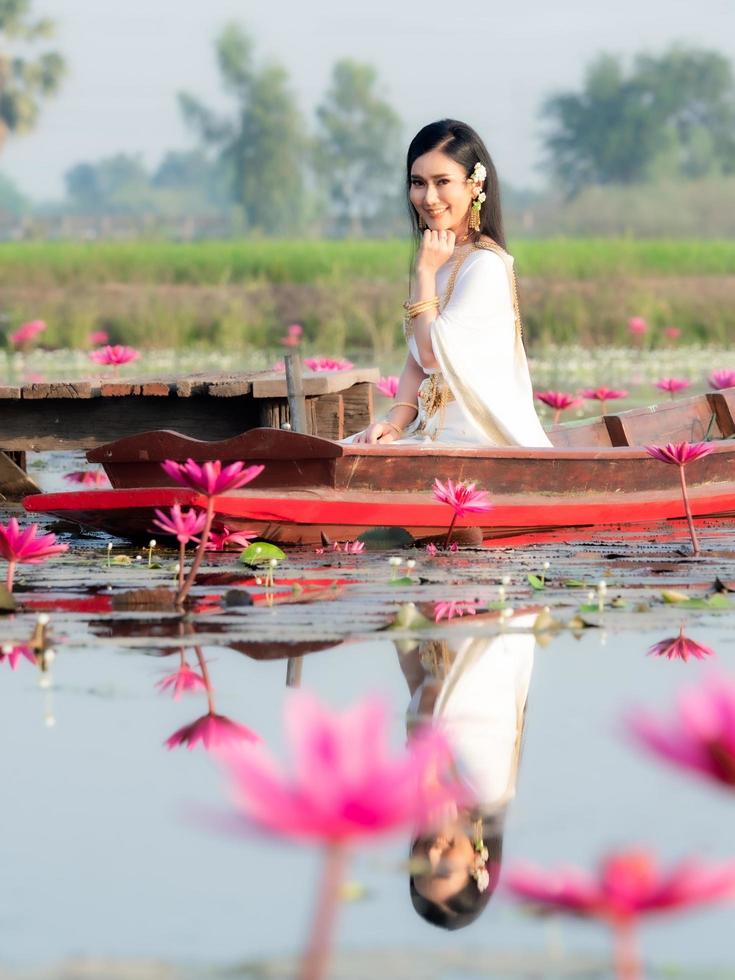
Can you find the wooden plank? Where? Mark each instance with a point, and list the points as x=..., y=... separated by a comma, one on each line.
x=9, y=391
x=358, y=407
x=57, y=389
x=723, y=405
x=119, y=389
x=329, y=417
x=689, y=420
x=14, y=482
x=229, y=388
x=194, y=385
x=579, y=435
x=157, y=389
x=273, y=384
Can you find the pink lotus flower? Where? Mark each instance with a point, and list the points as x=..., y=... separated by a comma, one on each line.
x=673, y=385
x=349, y=547
x=181, y=680
x=672, y=333
x=701, y=735
x=213, y=732
x=115, y=355
x=293, y=335
x=327, y=364
x=448, y=610
x=223, y=538
x=431, y=550
x=462, y=498
x=629, y=885
x=388, y=386
x=722, y=379
x=344, y=784
x=680, y=648
x=184, y=525
x=680, y=454
x=26, y=547
x=558, y=400
x=211, y=478
x=89, y=478
x=637, y=326
x=99, y=337
x=13, y=652
x=279, y=366
x=604, y=395
x=26, y=333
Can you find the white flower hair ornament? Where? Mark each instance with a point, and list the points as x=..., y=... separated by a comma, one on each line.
x=479, y=871
x=477, y=178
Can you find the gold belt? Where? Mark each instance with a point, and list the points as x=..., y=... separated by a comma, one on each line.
x=434, y=395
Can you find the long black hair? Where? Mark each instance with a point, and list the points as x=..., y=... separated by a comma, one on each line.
x=460, y=142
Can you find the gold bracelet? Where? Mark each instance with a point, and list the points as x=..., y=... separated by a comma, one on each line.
x=412, y=405
x=415, y=309
x=398, y=432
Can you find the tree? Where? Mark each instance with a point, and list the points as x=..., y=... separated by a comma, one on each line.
x=672, y=114
x=264, y=145
x=115, y=185
x=357, y=148
x=23, y=81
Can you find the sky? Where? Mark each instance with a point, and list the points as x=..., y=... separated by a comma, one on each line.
x=489, y=63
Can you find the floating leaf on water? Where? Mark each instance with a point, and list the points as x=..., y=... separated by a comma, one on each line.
x=7, y=600
x=536, y=582
x=408, y=617
x=403, y=580
x=618, y=602
x=386, y=538
x=238, y=597
x=574, y=583
x=669, y=595
x=145, y=599
x=259, y=552
x=121, y=560
x=580, y=623
x=716, y=601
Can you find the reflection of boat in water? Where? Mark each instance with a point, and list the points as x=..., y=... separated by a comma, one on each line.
x=312, y=486
x=475, y=689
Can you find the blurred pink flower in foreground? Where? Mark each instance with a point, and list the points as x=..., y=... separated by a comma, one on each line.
x=26, y=547
x=388, y=386
x=181, y=680
x=99, y=337
x=26, y=333
x=672, y=385
x=222, y=538
x=629, y=885
x=89, y=478
x=448, y=610
x=558, y=400
x=115, y=355
x=13, y=652
x=637, y=326
x=184, y=525
x=701, y=734
x=327, y=364
x=672, y=333
x=293, y=335
x=680, y=454
x=211, y=478
x=344, y=783
x=213, y=732
x=680, y=648
x=279, y=366
x=604, y=395
x=722, y=379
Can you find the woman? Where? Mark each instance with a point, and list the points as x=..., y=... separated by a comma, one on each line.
x=466, y=379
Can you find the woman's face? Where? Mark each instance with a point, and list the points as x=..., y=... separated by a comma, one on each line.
x=441, y=192
x=450, y=856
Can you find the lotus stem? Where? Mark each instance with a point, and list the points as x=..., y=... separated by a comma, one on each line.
x=557, y=416
x=182, y=556
x=316, y=957
x=10, y=576
x=688, y=512
x=184, y=590
x=627, y=955
x=207, y=679
x=449, y=531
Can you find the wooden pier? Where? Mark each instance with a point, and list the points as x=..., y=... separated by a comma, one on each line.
x=64, y=415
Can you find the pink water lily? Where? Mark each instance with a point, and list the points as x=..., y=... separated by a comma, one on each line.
x=293, y=335
x=26, y=333
x=89, y=478
x=559, y=401
x=211, y=478
x=328, y=364
x=99, y=337
x=672, y=385
x=680, y=647
x=672, y=333
x=462, y=498
x=604, y=395
x=459, y=607
x=184, y=525
x=26, y=547
x=349, y=547
x=12, y=652
x=222, y=539
x=212, y=732
x=629, y=885
x=680, y=454
x=185, y=679
x=388, y=386
x=722, y=379
x=700, y=736
x=114, y=355
x=637, y=326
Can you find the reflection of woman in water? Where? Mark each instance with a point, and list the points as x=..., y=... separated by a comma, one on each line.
x=476, y=691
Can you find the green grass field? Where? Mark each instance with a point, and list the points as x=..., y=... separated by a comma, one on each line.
x=234, y=262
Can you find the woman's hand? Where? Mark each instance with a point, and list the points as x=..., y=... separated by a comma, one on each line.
x=436, y=248
x=380, y=432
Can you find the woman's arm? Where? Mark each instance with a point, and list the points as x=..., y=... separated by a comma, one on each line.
x=436, y=248
x=398, y=416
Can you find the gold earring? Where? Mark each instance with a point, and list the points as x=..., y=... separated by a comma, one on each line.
x=473, y=222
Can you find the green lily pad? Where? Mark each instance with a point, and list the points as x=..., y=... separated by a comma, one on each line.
x=574, y=583
x=386, y=538
x=259, y=552
x=121, y=560
x=716, y=601
x=536, y=582
x=403, y=580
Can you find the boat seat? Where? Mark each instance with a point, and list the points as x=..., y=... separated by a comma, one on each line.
x=684, y=420
x=578, y=435
x=723, y=405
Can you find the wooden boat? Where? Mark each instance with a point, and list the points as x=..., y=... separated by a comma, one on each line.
x=313, y=486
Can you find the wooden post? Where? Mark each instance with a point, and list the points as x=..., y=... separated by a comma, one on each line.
x=293, y=671
x=296, y=399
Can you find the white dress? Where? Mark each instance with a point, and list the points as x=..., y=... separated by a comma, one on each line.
x=478, y=347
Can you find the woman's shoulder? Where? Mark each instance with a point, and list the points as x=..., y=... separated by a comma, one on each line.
x=487, y=257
